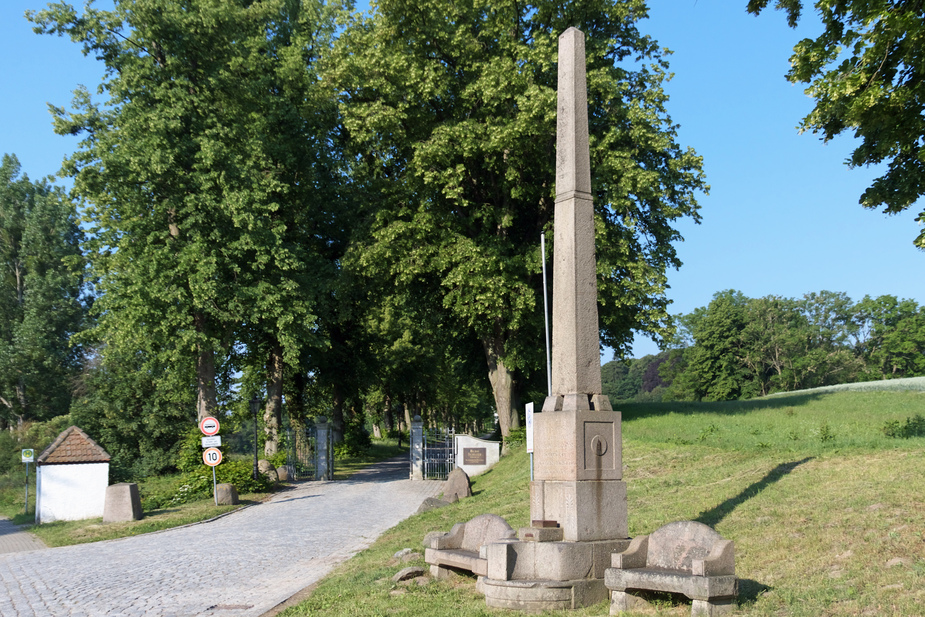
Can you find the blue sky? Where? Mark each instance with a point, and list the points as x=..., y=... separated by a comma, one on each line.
x=782, y=216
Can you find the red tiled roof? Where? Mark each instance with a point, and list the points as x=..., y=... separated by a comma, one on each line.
x=73, y=446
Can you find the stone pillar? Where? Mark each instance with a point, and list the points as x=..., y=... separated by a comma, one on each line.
x=577, y=437
x=417, y=448
x=324, y=469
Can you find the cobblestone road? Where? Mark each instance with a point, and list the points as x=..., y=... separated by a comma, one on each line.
x=240, y=565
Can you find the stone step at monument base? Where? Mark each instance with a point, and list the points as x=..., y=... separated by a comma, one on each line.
x=531, y=575
x=542, y=595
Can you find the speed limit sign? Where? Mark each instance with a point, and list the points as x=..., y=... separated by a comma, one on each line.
x=212, y=457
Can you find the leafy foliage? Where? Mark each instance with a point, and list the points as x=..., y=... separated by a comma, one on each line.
x=635, y=380
x=41, y=303
x=865, y=73
x=741, y=347
x=456, y=151
x=356, y=439
x=911, y=427
x=197, y=484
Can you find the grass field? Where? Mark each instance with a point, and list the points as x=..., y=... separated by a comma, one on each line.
x=827, y=512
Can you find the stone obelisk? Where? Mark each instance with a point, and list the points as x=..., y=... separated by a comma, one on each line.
x=578, y=498
x=578, y=441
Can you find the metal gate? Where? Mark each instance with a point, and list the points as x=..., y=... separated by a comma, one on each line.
x=439, y=453
x=303, y=454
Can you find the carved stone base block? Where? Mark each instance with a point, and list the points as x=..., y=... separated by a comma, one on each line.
x=578, y=445
x=538, y=576
x=586, y=510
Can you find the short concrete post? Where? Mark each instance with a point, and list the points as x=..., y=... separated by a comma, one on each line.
x=226, y=495
x=324, y=470
x=417, y=448
x=123, y=503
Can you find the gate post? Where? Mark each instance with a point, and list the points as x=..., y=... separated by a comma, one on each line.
x=417, y=448
x=323, y=468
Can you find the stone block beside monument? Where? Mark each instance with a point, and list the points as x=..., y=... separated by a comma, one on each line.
x=123, y=503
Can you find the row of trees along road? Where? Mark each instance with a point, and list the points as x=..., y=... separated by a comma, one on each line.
x=40, y=297
x=344, y=210
x=740, y=347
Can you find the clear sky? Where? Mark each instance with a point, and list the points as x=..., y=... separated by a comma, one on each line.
x=782, y=216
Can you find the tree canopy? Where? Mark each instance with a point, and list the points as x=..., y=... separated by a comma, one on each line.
x=741, y=347
x=208, y=184
x=42, y=303
x=865, y=72
x=450, y=111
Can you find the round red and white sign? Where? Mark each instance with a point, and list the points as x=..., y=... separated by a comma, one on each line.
x=209, y=426
x=212, y=457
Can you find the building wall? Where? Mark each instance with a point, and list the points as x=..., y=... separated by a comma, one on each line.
x=71, y=492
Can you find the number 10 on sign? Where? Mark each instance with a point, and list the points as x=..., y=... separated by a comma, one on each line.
x=212, y=457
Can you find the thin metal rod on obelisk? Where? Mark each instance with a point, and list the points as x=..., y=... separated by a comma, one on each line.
x=546, y=317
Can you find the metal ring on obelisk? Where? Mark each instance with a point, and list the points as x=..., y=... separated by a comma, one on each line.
x=598, y=445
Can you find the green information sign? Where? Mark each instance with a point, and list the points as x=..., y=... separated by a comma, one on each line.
x=28, y=456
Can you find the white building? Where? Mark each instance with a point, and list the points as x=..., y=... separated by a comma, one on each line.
x=71, y=478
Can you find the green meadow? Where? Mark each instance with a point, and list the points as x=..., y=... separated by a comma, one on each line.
x=825, y=508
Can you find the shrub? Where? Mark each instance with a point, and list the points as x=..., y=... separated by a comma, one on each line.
x=516, y=438
x=912, y=427
x=356, y=439
x=189, y=456
x=197, y=484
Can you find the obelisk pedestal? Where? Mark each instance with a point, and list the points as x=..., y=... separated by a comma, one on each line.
x=578, y=497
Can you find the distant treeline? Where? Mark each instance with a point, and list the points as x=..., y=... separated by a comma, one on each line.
x=739, y=347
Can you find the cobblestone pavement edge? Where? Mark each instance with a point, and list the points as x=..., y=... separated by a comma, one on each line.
x=240, y=565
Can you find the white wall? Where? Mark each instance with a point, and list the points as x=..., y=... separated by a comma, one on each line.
x=71, y=492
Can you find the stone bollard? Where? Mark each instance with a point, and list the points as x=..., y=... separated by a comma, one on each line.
x=417, y=448
x=123, y=503
x=324, y=470
x=226, y=495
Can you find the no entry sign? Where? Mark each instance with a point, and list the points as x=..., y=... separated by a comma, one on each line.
x=212, y=457
x=209, y=426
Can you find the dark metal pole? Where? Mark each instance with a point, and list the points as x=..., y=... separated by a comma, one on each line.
x=255, y=407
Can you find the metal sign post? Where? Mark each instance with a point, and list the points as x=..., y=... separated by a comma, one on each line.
x=212, y=457
x=28, y=456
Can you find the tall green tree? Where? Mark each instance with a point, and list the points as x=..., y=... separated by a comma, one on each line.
x=893, y=336
x=865, y=71
x=205, y=177
x=450, y=110
x=41, y=303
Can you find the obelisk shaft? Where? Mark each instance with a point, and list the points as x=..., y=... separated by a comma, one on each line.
x=575, y=335
x=578, y=444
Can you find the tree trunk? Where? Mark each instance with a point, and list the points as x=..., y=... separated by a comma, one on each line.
x=206, y=400
x=23, y=402
x=502, y=386
x=388, y=418
x=273, y=414
x=337, y=416
x=295, y=399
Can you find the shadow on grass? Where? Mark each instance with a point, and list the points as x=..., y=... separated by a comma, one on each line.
x=159, y=511
x=714, y=515
x=749, y=591
x=633, y=411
